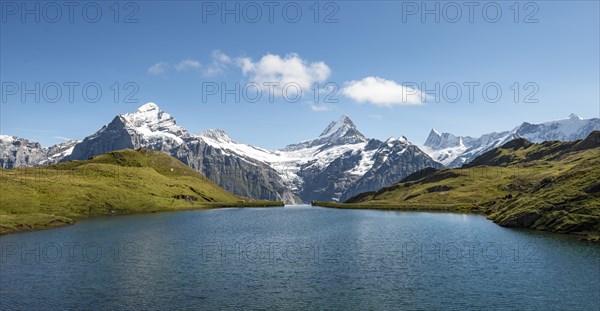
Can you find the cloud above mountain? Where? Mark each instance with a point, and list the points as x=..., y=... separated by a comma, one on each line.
x=381, y=92
x=218, y=63
x=290, y=68
x=158, y=68
x=300, y=75
x=187, y=64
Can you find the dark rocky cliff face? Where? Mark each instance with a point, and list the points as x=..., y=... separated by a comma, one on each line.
x=240, y=176
x=111, y=137
x=395, y=165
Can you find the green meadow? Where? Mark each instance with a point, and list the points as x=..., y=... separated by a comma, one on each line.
x=121, y=182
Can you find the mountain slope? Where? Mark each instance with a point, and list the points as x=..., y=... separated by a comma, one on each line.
x=454, y=151
x=118, y=182
x=550, y=186
x=238, y=173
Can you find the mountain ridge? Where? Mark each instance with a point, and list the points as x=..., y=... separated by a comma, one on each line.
x=454, y=151
x=334, y=166
x=329, y=166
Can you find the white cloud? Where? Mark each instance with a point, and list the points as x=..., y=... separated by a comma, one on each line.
x=219, y=64
x=187, y=64
x=320, y=107
x=220, y=57
x=158, y=68
x=290, y=68
x=283, y=70
x=382, y=92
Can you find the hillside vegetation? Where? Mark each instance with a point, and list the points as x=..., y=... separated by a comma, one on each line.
x=551, y=186
x=118, y=182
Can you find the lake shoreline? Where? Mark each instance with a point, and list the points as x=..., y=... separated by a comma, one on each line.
x=57, y=221
x=452, y=208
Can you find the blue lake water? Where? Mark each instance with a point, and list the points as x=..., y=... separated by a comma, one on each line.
x=297, y=258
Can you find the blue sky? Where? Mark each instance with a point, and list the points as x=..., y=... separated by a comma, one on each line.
x=374, y=52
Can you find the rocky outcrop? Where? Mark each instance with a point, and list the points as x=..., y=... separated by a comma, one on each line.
x=396, y=160
x=20, y=152
x=236, y=174
x=111, y=137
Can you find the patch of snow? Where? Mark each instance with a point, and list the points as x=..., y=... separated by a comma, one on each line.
x=366, y=163
x=154, y=125
x=7, y=138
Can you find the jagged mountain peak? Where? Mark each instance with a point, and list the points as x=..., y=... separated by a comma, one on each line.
x=149, y=119
x=344, y=124
x=433, y=139
x=147, y=127
x=148, y=113
x=341, y=132
x=573, y=116
x=439, y=140
x=344, y=119
x=216, y=134
x=433, y=132
x=402, y=139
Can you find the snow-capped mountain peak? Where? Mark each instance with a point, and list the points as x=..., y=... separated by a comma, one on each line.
x=574, y=116
x=148, y=107
x=437, y=140
x=149, y=115
x=216, y=134
x=401, y=139
x=343, y=124
x=341, y=132
x=147, y=127
x=151, y=122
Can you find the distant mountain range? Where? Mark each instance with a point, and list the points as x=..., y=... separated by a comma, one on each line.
x=338, y=164
x=454, y=151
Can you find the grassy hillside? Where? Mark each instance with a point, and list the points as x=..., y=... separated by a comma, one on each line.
x=118, y=182
x=551, y=186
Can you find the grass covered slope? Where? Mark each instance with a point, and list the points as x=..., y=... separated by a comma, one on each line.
x=551, y=186
x=118, y=182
